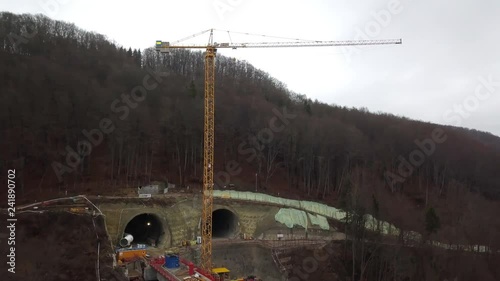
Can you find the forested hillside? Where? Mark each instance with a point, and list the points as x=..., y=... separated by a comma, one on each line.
x=66, y=91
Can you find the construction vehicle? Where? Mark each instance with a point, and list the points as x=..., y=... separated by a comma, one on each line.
x=221, y=273
x=128, y=255
x=209, y=112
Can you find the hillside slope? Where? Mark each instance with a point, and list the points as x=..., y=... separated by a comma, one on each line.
x=80, y=114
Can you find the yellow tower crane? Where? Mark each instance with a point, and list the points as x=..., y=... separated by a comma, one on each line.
x=208, y=138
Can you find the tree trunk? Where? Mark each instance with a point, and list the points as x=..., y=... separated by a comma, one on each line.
x=112, y=160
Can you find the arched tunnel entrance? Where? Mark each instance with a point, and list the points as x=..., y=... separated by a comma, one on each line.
x=146, y=229
x=224, y=224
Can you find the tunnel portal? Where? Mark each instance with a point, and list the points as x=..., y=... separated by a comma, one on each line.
x=224, y=224
x=146, y=229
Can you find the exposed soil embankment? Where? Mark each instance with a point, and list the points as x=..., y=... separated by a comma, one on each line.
x=58, y=246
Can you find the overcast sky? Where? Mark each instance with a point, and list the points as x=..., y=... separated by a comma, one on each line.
x=439, y=74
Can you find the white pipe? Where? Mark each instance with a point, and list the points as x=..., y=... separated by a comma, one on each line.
x=125, y=241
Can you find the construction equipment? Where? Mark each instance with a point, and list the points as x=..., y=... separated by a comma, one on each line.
x=221, y=273
x=126, y=240
x=208, y=139
x=128, y=255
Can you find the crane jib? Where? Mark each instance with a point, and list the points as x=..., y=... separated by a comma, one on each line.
x=165, y=47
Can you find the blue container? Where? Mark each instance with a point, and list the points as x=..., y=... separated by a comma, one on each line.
x=172, y=261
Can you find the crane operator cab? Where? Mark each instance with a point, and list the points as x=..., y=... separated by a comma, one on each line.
x=162, y=47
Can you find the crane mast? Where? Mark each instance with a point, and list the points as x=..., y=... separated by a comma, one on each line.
x=208, y=160
x=209, y=115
